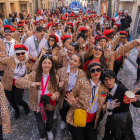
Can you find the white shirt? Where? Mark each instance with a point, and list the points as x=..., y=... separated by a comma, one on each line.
x=21, y=40
x=73, y=22
x=20, y=70
x=10, y=48
x=119, y=20
x=29, y=43
x=69, y=34
x=72, y=79
x=109, y=45
x=60, y=42
x=112, y=92
x=94, y=107
x=18, y=19
x=38, y=18
x=59, y=33
x=65, y=50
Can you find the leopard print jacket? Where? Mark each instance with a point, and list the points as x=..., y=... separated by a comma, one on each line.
x=4, y=112
x=7, y=79
x=82, y=90
x=3, y=49
x=63, y=76
x=25, y=83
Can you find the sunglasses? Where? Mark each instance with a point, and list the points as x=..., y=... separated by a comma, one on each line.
x=20, y=29
x=93, y=70
x=52, y=40
x=123, y=37
x=53, y=28
x=18, y=54
x=37, y=24
x=7, y=31
x=97, y=49
x=106, y=24
x=69, y=28
x=84, y=21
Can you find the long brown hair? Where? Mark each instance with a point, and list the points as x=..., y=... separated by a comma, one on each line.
x=80, y=60
x=52, y=71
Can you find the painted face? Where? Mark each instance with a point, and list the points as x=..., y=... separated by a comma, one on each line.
x=46, y=65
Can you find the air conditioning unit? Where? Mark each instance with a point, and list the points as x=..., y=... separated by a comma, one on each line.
x=128, y=0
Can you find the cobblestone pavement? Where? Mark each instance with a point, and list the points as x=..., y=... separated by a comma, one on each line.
x=25, y=128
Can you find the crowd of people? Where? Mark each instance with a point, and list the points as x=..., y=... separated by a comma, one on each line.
x=70, y=61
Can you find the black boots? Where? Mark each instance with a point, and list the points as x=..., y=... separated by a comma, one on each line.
x=136, y=82
x=17, y=114
x=26, y=108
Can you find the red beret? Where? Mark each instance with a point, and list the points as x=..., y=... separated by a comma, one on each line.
x=56, y=38
x=77, y=16
x=65, y=36
x=53, y=14
x=39, y=12
x=49, y=24
x=106, y=17
x=42, y=19
x=26, y=21
x=80, y=11
x=90, y=17
x=113, y=19
x=94, y=12
x=72, y=12
x=69, y=23
x=29, y=15
x=123, y=33
x=78, y=22
x=64, y=18
x=21, y=22
x=10, y=27
x=104, y=13
x=86, y=11
x=20, y=47
x=56, y=24
x=90, y=12
x=20, y=25
x=103, y=37
x=83, y=29
x=107, y=32
x=88, y=62
x=119, y=13
x=69, y=15
x=84, y=18
x=72, y=15
x=95, y=15
x=36, y=22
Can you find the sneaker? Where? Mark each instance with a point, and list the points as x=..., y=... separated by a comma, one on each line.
x=136, y=82
x=54, y=116
x=50, y=135
x=63, y=125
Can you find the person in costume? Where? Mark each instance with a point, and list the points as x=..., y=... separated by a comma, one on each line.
x=15, y=66
x=43, y=93
x=5, y=125
x=88, y=95
x=119, y=124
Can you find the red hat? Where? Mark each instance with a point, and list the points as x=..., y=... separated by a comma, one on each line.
x=107, y=32
x=26, y=21
x=84, y=18
x=72, y=12
x=20, y=25
x=106, y=17
x=113, y=19
x=78, y=22
x=90, y=17
x=8, y=27
x=39, y=12
x=20, y=47
x=77, y=16
x=92, y=61
x=42, y=19
x=56, y=24
x=64, y=18
x=83, y=29
x=86, y=11
x=65, y=36
x=90, y=12
x=69, y=15
x=72, y=15
x=123, y=33
x=95, y=15
x=104, y=13
x=49, y=24
x=80, y=11
x=103, y=37
x=29, y=15
x=119, y=13
x=21, y=22
x=94, y=12
x=66, y=15
x=53, y=14
x=36, y=22
x=69, y=23
x=56, y=38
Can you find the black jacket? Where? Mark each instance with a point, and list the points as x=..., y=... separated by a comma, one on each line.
x=125, y=23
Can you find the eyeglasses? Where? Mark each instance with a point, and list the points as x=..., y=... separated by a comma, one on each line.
x=18, y=54
x=69, y=28
x=108, y=80
x=97, y=49
x=52, y=40
x=106, y=24
x=123, y=37
x=93, y=70
x=20, y=29
x=53, y=28
x=7, y=31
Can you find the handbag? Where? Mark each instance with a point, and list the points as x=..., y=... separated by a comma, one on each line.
x=80, y=115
